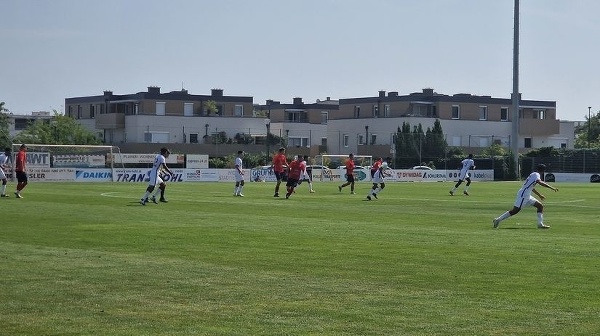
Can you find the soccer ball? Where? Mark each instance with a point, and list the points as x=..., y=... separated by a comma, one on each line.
x=384, y=165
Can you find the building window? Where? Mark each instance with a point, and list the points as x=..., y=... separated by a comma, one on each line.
x=345, y=140
x=375, y=111
x=324, y=117
x=483, y=112
x=504, y=114
x=194, y=138
x=92, y=111
x=433, y=111
x=298, y=142
x=356, y=112
x=563, y=145
x=160, y=108
x=296, y=116
x=539, y=114
x=361, y=139
x=386, y=110
x=79, y=112
x=455, y=112
x=70, y=113
x=373, y=139
x=239, y=110
x=324, y=142
x=188, y=109
x=101, y=109
x=527, y=142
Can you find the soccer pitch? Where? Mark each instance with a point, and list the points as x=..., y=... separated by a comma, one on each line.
x=88, y=259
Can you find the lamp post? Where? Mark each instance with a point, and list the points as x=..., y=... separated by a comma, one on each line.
x=268, y=124
x=589, y=126
x=367, y=135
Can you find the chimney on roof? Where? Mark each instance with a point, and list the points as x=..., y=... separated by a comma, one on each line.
x=393, y=94
x=107, y=93
x=216, y=92
x=269, y=102
x=381, y=93
x=298, y=101
x=328, y=98
x=428, y=92
x=154, y=89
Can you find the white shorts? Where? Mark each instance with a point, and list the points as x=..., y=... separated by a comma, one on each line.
x=2, y=175
x=238, y=177
x=464, y=176
x=155, y=179
x=525, y=200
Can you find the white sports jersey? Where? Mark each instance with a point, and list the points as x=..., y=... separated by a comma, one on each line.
x=3, y=160
x=524, y=197
x=529, y=184
x=159, y=161
x=464, y=170
x=238, y=163
x=379, y=175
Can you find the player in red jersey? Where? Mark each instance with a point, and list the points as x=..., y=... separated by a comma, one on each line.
x=295, y=169
x=20, y=171
x=349, y=174
x=278, y=166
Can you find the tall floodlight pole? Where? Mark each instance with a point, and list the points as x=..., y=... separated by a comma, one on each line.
x=515, y=94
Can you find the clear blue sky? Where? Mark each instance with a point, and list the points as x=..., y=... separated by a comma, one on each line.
x=280, y=49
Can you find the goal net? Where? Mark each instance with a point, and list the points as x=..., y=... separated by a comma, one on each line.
x=70, y=162
x=335, y=165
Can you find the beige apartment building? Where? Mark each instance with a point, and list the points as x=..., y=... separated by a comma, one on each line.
x=364, y=125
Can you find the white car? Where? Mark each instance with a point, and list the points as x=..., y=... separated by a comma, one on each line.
x=421, y=168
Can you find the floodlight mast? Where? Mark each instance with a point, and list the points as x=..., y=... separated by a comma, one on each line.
x=515, y=94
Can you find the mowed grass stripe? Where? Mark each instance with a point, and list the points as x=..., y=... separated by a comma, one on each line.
x=416, y=261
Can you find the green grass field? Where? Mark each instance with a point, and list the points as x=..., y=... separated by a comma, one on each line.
x=88, y=259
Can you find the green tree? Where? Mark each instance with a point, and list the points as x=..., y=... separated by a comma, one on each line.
x=5, y=140
x=210, y=107
x=60, y=130
x=494, y=150
x=587, y=135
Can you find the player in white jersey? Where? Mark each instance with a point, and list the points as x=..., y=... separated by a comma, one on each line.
x=160, y=165
x=378, y=179
x=464, y=175
x=239, y=175
x=3, y=169
x=306, y=174
x=524, y=198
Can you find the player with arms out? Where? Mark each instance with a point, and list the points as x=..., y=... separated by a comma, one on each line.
x=524, y=198
x=160, y=164
x=464, y=175
x=239, y=175
x=375, y=167
x=3, y=169
x=278, y=166
x=295, y=169
x=378, y=179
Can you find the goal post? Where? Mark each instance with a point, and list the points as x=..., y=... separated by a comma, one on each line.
x=363, y=162
x=42, y=157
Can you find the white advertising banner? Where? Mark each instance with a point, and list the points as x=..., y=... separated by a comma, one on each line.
x=143, y=175
x=195, y=161
x=202, y=175
x=78, y=161
x=93, y=175
x=50, y=174
x=38, y=160
x=145, y=158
